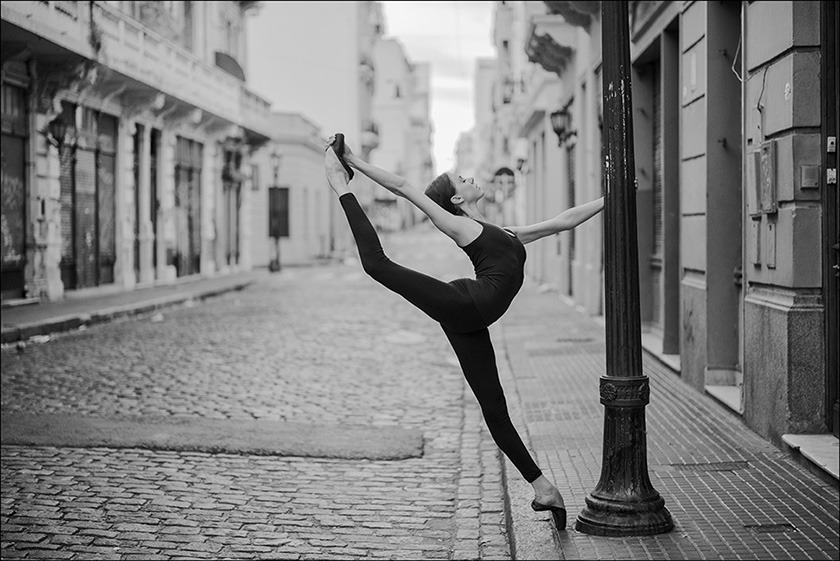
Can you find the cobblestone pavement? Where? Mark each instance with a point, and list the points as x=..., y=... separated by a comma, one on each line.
x=325, y=346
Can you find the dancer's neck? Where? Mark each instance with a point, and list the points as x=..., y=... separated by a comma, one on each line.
x=471, y=211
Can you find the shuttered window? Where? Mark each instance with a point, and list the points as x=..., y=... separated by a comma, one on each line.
x=88, y=197
x=106, y=167
x=188, y=157
x=67, y=172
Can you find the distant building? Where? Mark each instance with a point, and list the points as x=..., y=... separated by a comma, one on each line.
x=288, y=180
x=326, y=61
x=400, y=110
x=126, y=129
x=483, y=107
x=465, y=154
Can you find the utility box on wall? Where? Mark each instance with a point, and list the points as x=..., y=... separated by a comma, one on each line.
x=761, y=175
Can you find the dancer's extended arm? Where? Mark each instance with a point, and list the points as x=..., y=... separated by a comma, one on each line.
x=462, y=230
x=566, y=220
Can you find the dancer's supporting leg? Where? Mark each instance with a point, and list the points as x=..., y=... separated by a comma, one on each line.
x=478, y=361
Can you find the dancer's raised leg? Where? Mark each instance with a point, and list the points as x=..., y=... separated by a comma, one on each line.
x=440, y=300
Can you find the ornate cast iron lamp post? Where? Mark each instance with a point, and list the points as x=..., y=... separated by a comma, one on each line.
x=624, y=502
x=276, y=222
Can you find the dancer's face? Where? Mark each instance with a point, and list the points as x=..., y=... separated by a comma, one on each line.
x=467, y=188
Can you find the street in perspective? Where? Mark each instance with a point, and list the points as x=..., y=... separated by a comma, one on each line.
x=320, y=351
x=419, y=280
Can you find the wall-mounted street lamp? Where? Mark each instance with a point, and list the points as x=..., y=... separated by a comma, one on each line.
x=276, y=159
x=56, y=131
x=561, y=124
x=278, y=211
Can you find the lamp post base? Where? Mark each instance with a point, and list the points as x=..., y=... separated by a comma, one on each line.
x=624, y=503
x=274, y=265
x=605, y=517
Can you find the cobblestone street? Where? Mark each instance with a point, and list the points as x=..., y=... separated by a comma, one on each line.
x=323, y=346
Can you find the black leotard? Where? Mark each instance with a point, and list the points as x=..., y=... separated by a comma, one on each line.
x=498, y=258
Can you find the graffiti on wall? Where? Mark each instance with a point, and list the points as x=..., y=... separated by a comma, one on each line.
x=11, y=224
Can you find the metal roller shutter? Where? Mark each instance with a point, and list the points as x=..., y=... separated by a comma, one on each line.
x=658, y=242
x=13, y=192
x=85, y=218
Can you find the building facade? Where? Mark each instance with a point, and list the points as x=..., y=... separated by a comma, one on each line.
x=289, y=186
x=326, y=73
x=735, y=141
x=127, y=128
x=400, y=110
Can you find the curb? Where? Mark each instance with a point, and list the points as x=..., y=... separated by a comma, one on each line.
x=531, y=535
x=66, y=323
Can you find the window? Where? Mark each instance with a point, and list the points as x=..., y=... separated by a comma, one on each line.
x=187, y=36
x=255, y=177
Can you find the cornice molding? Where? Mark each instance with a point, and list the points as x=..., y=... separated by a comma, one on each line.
x=550, y=43
x=578, y=13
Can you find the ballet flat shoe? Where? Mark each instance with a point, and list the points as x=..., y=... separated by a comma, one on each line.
x=338, y=148
x=558, y=513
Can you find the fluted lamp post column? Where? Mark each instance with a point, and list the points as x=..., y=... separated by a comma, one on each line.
x=624, y=502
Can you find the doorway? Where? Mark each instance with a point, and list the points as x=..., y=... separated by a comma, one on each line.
x=188, y=163
x=231, y=205
x=88, y=207
x=13, y=194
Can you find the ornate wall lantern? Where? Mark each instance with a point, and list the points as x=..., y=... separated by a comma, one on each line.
x=276, y=159
x=561, y=124
x=56, y=131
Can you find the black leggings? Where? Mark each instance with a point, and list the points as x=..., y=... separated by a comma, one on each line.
x=453, y=308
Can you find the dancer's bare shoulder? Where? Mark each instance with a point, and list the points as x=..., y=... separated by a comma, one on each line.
x=468, y=231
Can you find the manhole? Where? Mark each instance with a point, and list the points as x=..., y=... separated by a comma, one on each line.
x=561, y=346
x=575, y=340
x=712, y=466
x=548, y=351
x=770, y=528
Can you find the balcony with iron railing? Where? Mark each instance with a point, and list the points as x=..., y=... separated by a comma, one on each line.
x=101, y=32
x=256, y=113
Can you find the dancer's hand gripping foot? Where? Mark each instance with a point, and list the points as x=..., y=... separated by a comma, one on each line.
x=547, y=497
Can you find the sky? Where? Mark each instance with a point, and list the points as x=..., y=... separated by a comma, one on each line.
x=448, y=35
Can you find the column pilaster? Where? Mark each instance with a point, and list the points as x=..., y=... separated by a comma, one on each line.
x=147, y=235
x=209, y=186
x=45, y=210
x=166, y=234
x=244, y=215
x=124, y=203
